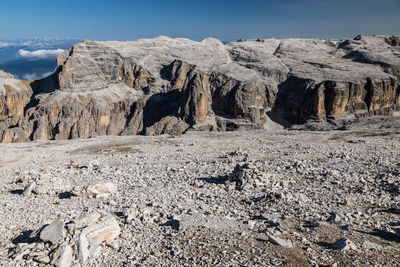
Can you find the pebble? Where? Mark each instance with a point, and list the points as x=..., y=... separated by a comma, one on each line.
x=28, y=189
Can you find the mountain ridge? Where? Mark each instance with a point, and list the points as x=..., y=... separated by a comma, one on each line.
x=165, y=85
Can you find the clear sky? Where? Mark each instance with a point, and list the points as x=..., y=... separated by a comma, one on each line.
x=197, y=19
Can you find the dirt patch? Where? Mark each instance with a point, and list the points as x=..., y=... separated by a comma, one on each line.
x=7, y=162
x=108, y=148
x=363, y=134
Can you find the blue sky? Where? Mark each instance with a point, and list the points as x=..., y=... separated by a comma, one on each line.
x=223, y=19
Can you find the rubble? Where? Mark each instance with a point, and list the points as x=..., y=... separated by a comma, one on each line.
x=304, y=198
x=63, y=244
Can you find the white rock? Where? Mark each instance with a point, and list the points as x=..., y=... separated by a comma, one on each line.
x=65, y=258
x=28, y=189
x=371, y=246
x=99, y=190
x=104, y=231
x=280, y=241
x=83, y=251
x=85, y=220
x=102, y=188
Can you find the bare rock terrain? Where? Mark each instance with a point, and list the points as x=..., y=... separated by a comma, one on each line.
x=243, y=198
x=164, y=85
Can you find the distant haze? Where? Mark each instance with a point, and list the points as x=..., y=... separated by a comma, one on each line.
x=31, y=59
x=224, y=19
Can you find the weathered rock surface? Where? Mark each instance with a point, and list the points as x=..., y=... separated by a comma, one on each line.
x=81, y=242
x=286, y=243
x=210, y=222
x=164, y=85
x=104, y=189
x=53, y=232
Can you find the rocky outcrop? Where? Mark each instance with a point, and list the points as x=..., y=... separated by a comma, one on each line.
x=164, y=85
x=14, y=97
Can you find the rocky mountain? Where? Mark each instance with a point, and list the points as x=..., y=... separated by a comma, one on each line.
x=164, y=85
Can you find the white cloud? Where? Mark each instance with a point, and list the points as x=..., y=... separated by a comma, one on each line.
x=39, y=53
x=34, y=76
x=2, y=44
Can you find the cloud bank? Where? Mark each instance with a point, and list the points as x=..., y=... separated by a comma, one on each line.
x=2, y=44
x=34, y=76
x=42, y=54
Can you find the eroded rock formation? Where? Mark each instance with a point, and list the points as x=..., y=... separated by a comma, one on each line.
x=164, y=85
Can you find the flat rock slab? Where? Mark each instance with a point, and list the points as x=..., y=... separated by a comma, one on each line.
x=210, y=222
x=280, y=241
x=371, y=246
x=103, y=231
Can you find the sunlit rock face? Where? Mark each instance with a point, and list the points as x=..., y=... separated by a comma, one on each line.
x=164, y=85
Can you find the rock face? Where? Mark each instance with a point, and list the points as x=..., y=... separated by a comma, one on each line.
x=164, y=85
x=15, y=96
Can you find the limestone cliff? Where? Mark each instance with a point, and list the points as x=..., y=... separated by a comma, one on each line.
x=164, y=85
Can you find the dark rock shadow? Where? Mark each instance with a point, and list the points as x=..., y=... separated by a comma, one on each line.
x=65, y=195
x=174, y=224
x=266, y=198
x=42, y=86
x=325, y=245
x=221, y=179
x=291, y=99
x=159, y=106
x=24, y=237
x=119, y=214
x=311, y=224
x=276, y=117
x=391, y=210
x=394, y=223
x=16, y=192
x=388, y=236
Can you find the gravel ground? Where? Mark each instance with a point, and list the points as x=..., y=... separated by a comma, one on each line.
x=271, y=198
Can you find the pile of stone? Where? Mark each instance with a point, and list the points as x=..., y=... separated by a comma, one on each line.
x=65, y=244
x=250, y=175
x=46, y=185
